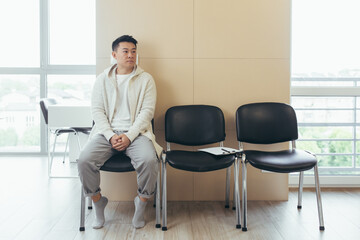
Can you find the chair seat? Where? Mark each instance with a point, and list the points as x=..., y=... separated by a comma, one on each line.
x=282, y=161
x=118, y=163
x=198, y=161
x=59, y=131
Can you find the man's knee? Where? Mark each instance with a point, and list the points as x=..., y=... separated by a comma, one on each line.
x=83, y=162
x=149, y=161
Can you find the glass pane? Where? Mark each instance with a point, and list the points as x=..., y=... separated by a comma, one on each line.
x=335, y=161
x=357, y=132
x=326, y=133
x=72, y=32
x=325, y=116
x=313, y=82
x=326, y=146
x=338, y=171
x=322, y=102
x=20, y=34
x=19, y=113
x=358, y=162
x=357, y=116
x=358, y=147
x=332, y=52
x=70, y=88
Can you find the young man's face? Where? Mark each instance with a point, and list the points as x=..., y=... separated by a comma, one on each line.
x=125, y=55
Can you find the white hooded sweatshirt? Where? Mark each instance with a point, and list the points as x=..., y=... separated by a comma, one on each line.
x=142, y=100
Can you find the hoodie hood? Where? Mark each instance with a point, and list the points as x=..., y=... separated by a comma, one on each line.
x=110, y=72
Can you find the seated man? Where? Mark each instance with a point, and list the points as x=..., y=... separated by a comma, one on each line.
x=122, y=104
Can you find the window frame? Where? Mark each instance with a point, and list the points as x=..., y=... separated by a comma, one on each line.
x=44, y=70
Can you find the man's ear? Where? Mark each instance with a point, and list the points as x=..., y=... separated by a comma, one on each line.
x=113, y=54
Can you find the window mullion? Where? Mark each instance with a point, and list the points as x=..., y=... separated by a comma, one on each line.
x=354, y=134
x=44, y=56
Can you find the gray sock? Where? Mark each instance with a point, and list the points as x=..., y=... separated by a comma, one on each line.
x=139, y=219
x=99, y=212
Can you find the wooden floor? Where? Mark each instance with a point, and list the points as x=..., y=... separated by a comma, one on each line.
x=34, y=207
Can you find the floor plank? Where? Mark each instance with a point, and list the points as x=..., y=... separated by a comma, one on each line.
x=33, y=206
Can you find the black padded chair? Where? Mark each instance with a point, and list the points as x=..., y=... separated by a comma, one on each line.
x=120, y=163
x=267, y=123
x=44, y=105
x=195, y=125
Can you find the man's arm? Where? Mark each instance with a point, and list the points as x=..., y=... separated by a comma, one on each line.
x=146, y=113
x=98, y=108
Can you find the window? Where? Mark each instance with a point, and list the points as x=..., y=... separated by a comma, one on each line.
x=19, y=113
x=43, y=54
x=72, y=32
x=20, y=33
x=325, y=82
x=70, y=88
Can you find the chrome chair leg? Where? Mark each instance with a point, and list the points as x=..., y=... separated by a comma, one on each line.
x=154, y=205
x=52, y=156
x=244, y=194
x=237, y=195
x=157, y=197
x=318, y=197
x=82, y=211
x=66, y=146
x=301, y=180
x=164, y=213
x=227, y=192
x=78, y=140
x=234, y=192
x=89, y=201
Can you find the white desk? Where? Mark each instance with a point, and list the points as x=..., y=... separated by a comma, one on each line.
x=60, y=116
x=69, y=116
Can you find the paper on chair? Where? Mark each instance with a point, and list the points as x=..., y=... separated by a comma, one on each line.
x=219, y=150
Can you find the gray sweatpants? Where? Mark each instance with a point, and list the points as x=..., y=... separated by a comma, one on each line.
x=141, y=152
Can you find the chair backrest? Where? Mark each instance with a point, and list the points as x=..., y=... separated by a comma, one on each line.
x=44, y=105
x=194, y=125
x=265, y=123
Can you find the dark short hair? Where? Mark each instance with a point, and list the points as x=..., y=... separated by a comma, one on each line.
x=123, y=38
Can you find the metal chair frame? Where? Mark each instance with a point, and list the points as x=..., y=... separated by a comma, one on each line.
x=244, y=162
x=227, y=189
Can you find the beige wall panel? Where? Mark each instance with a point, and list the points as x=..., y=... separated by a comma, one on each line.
x=118, y=186
x=265, y=185
x=210, y=185
x=219, y=52
x=174, y=84
x=242, y=29
x=180, y=184
x=230, y=83
x=164, y=29
x=101, y=64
